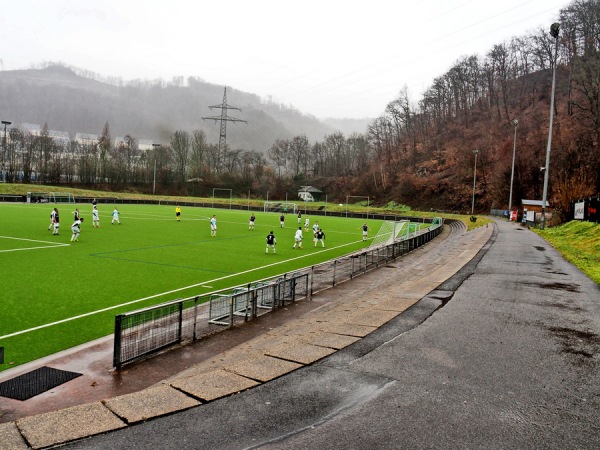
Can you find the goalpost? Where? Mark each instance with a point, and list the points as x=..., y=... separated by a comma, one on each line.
x=61, y=197
x=37, y=197
x=280, y=207
x=50, y=197
x=391, y=231
x=222, y=189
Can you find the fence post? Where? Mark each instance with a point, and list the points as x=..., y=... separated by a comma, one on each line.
x=117, y=349
x=275, y=289
x=180, y=325
x=334, y=267
x=293, y=289
x=254, y=303
x=230, y=311
x=248, y=300
x=195, y=317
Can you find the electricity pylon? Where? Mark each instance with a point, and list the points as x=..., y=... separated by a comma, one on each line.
x=223, y=119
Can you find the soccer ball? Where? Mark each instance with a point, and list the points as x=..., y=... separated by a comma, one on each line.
x=341, y=204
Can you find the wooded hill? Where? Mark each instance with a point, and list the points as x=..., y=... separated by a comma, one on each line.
x=423, y=153
x=78, y=101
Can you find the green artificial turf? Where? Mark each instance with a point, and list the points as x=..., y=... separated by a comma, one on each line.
x=149, y=259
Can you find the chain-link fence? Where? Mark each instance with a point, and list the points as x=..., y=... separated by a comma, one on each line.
x=144, y=332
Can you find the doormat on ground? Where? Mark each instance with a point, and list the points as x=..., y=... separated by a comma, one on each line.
x=35, y=382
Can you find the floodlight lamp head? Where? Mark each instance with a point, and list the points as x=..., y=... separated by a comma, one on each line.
x=515, y=122
x=542, y=169
x=554, y=30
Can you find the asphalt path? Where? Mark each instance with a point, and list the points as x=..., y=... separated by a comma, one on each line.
x=507, y=359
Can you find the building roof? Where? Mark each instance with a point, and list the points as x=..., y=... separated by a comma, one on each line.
x=534, y=203
x=86, y=137
x=309, y=189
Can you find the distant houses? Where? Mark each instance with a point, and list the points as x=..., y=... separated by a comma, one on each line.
x=86, y=138
x=62, y=138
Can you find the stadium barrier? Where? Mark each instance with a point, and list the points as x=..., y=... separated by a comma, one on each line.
x=145, y=332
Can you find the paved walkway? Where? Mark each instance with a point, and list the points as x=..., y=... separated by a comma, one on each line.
x=510, y=362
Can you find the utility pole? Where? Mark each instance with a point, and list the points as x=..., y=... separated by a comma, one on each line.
x=554, y=32
x=223, y=119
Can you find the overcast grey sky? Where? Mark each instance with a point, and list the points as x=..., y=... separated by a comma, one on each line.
x=328, y=58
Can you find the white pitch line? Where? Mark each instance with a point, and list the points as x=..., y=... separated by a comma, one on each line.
x=91, y=313
x=52, y=244
x=34, y=248
x=30, y=240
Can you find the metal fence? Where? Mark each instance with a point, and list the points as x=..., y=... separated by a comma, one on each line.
x=141, y=333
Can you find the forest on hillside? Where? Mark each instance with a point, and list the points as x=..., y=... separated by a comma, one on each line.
x=452, y=145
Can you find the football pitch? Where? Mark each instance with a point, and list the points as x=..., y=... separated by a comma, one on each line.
x=57, y=294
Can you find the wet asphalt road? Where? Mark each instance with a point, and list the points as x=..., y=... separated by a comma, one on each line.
x=510, y=361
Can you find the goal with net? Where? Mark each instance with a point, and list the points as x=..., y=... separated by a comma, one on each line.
x=37, y=197
x=281, y=207
x=391, y=231
x=61, y=197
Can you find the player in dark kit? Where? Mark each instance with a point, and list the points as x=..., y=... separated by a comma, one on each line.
x=271, y=241
x=320, y=237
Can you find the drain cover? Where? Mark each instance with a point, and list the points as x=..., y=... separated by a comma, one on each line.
x=35, y=382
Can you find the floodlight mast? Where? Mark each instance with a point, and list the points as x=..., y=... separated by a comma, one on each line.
x=554, y=32
x=475, y=152
x=515, y=122
x=223, y=119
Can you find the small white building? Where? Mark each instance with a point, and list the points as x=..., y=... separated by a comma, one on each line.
x=309, y=193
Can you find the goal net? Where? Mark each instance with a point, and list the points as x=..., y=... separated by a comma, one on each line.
x=38, y=197
x=281, y=207
x=391, y=231
x=61, y=197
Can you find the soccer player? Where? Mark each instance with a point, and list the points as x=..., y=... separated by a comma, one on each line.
x=76, y=229
x=282, y=220
x=299, y=217
x=115, y=216
x=271, y=241
x=56, y=221
x=76, y=214
x=298, y=239
x=306, y=223
x=95, y=217
x=315, y=227
x=365, y=231
x=213, y=226
x=178, y=213
x=320, y=237
x=51, y=226
x=251, y=223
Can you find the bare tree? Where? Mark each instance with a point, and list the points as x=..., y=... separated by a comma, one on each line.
x=278, y=154
x=104, y=147
x=198, y=155
x=180, y=144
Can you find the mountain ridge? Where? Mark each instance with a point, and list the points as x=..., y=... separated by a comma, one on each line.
x=67, y=101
